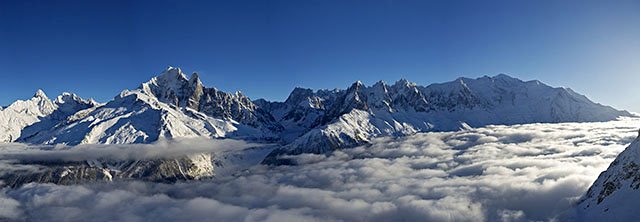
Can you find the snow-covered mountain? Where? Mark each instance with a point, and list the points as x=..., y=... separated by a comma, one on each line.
x=171, y=105
x=26, y=117
x=351, y=117
x=614, y=195
x=167, y=106
x=172, y=87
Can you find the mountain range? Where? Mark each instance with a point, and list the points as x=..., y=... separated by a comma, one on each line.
x=172, y=105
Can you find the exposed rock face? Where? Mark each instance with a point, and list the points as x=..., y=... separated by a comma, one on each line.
x=161, y=170
x=613, y=196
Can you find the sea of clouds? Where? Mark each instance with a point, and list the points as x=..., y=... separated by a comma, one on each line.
x=495, y=173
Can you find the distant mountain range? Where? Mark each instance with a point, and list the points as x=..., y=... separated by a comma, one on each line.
x=309, y=121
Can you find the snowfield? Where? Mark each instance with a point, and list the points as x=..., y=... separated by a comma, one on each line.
x=524, y=172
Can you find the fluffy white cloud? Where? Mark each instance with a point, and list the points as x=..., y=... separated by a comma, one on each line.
x=494, y=173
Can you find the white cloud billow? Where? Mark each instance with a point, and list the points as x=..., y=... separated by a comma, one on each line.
x=494, y=173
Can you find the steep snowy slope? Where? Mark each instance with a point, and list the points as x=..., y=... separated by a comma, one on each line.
x=22, y=118
x=132, y=117
x=359, y=113
x=614, y=195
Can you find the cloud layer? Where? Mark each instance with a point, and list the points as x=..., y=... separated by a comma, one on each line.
x=494, y=173
x=158, y=150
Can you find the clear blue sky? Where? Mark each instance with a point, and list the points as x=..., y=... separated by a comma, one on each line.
x=265, y=48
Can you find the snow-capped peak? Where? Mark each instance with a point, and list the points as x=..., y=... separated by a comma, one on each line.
x=66, y=97
x=39, y=110
x=171, y=86
x=380, y=83
x=172, y=73
x=40, y=94
x=504, y=76
x=298, y=96
x=174, y=88
x=404, y=82
x=68, y=103
x=380, y=86
x=39, y=101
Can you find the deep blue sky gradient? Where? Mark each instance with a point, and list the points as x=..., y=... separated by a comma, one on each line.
x=265, y=48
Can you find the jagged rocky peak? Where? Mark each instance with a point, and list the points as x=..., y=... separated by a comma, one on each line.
x=173, y=87
x=171, y=74
x=38, y=103
x=352, y=98
x=40, y=94
x=378, y=96
x=67, y=97
x=404, y=83
x=404, y=86
x=196, y=89
x=195, y=80
x=381, y=84
x=407, y=96
x=356, y=91
x=299, y=95
x=70, y=103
